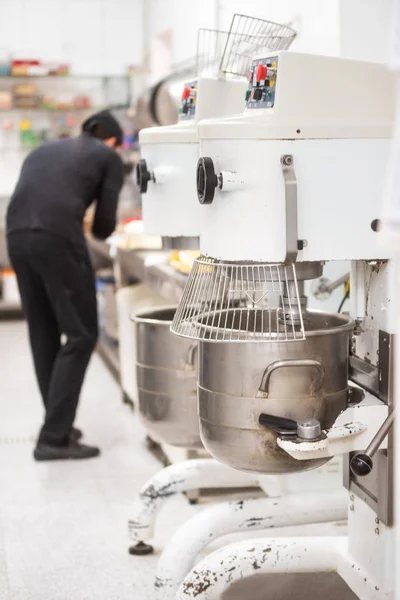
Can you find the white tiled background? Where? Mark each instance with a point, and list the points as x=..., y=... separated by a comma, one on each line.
x=95, y=36
x=103, y=36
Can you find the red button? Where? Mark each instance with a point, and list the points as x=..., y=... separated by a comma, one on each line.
x=186, y=93
x=261, y=73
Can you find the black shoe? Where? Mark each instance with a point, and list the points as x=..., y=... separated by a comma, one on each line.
x=75, y=435
x=73, y=450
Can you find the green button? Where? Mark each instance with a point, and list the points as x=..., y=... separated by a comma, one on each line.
x=248, y=92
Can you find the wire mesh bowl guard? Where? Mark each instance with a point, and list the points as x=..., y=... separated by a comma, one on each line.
x=248, y=302
x=249, y=36
x=210, y=49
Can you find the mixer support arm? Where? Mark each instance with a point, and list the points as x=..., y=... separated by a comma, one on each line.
x=218, y=571
x=290, y=207
x=352, y=431
x=175, y=479
x=181, y=552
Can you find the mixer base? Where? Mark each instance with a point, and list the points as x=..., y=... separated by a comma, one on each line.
x=363, y=559
x=180, y=554
x=272, y=556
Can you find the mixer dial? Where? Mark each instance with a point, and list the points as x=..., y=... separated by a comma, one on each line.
x=143, y=176
x=207, y=180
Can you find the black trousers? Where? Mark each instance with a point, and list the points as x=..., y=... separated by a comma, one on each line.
x=58, y=294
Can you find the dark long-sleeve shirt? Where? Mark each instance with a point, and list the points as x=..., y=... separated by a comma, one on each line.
x=59, y=181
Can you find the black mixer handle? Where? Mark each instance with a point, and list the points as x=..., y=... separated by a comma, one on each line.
x=207, y=180
x=143, y=176
x=278, y=425
x=362, y=464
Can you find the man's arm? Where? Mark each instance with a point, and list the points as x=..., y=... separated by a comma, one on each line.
x=107, y=201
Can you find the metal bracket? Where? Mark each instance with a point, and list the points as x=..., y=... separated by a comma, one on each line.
x=290, y=207
x=376, y=489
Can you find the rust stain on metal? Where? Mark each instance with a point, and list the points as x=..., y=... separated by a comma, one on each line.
x=257, y=564
x=202, y=581
x=153, y=492
x=253, y=521
x=159, y=583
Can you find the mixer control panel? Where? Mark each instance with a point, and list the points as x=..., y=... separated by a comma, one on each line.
x=262, y=83
x=187, y=109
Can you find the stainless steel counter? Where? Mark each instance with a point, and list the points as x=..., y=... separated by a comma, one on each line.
x=162, y=278
x=99, y=253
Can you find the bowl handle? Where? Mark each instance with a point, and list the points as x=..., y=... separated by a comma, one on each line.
x=293, y=362
x=191, y=355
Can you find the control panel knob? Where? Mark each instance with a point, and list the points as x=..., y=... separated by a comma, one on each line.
x=257, y=94
x=186, y=93
x=261, y=73
x=207, y=180
x=361, y=465
x=143, y=176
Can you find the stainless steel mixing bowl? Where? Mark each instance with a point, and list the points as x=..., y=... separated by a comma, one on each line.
x=296, y=380
x=166, y=367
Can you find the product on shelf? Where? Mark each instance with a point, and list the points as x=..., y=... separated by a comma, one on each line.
x=35, y=68
x=6, y=99
x=24, y=67
x=25, y=96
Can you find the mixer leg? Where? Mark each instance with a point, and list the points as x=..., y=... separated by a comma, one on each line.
x=126, y=400
x=141, y=549
x=216, y=573
x=193, y=496
x=177, y=478
x=151, y=444
x=179, y=556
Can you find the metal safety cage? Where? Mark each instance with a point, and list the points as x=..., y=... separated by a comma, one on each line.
x=240, y=302
x=211, y=45
x=249, y=36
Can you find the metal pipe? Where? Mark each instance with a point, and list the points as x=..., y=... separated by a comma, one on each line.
x=337, y=283
x=380, y=435
x=358, y=290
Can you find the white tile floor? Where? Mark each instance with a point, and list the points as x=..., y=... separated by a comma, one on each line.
x=63, y=526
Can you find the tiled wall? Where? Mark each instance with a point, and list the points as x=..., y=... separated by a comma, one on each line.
x=95, y=36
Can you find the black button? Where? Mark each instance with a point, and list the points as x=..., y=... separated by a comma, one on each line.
x=257, y=94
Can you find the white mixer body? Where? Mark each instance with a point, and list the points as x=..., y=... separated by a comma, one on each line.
x=170, y=206
x=338, y=135
x=249, y=223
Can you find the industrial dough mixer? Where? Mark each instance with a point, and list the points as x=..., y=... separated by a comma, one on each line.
x=295, y=181
x=169, y=154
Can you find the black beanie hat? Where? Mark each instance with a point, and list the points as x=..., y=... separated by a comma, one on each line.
x=103, y=126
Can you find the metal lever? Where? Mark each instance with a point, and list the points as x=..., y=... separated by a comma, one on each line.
x=309, y=429
x=362, y=464
x=278, y=424
x=289, y=177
